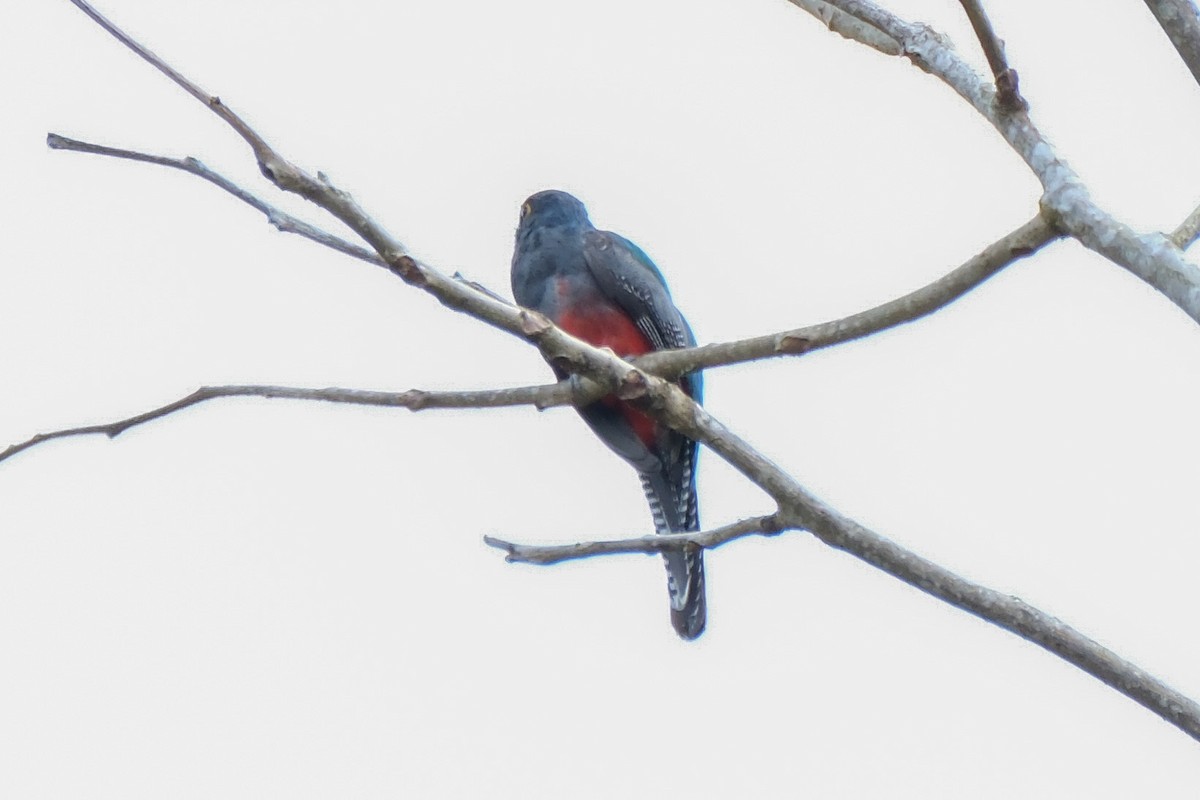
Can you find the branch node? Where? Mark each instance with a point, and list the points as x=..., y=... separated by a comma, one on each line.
x=416, y=399
x=1008, y=94
x=633, y=386
x=407, y=268
x=508, y=547
x=533, y=325
x=790, y=344
x=772, y=525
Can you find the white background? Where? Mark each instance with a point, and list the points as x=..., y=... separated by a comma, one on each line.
x=273, y=599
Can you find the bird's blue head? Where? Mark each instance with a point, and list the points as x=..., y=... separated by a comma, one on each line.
x=552, y=209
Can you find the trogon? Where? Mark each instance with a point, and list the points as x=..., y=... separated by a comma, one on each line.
x=600, y=287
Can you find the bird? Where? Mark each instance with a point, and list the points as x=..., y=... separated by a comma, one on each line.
x=600, y=287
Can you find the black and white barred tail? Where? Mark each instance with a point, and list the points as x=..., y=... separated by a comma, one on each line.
x=685, y=568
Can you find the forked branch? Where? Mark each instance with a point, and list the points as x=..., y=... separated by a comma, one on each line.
x=798, y=508
x=1018, y=244
x=1022, y=242
x=1151, y=257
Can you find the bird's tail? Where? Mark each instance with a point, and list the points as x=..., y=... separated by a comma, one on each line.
x=685, y=568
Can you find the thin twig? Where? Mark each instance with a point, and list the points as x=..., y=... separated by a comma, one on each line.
x=279, y=218
x=1188, y=230
x=1008, y=94
x=287, y=176
x=1180, y=20
x=262, y=151
x=413, y=399
x=546, y=554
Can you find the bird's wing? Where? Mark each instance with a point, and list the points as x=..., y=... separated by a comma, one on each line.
x=629, y=278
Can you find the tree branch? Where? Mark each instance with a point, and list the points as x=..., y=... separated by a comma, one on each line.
x=282, y=220
x=1188, y=230
x=1020, y=243
x=664, y=400
x=1007, y=92
x=544, y=555
x=1151, y=257
x=414, y=400
x=1180, y=20
x=801, y=509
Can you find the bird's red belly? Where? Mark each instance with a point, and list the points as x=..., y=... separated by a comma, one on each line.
x=605, y=325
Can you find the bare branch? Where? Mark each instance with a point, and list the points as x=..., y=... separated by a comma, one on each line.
x=261, y=150
x=282, y=220
x=1007, y=90
x=1180, y=20
x=801, y=509
x=413, y=399
x=798, y=508
x=543, y=555
x=1151, y=257
x=1022, y=242
x=319, y=190
x=279, y=218
x=1015, y=615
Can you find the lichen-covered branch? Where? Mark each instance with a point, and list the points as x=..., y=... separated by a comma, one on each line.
x=849, y=27
x=1152, y=257
x=1180, y=20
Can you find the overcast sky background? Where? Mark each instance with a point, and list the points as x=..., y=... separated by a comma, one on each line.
x=274, y=599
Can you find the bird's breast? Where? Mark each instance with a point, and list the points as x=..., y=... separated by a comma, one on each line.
x=602, y=323
x=598, y=321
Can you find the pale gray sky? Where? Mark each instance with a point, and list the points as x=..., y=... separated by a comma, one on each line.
x=268, y=599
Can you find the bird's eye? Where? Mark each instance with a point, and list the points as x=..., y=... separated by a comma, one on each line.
x=525, y=209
